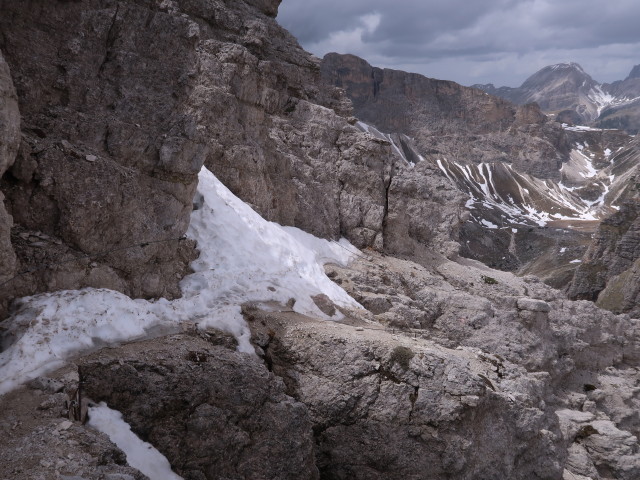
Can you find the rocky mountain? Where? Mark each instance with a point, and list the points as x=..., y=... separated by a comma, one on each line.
x=121, y=122
x=608, y=272
x=572, y=96
x=115, y=192
x=624, y=116
x=447, y=119
x=535, y=190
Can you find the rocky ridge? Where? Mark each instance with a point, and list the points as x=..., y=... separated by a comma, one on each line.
x=447, y=119
x=568, y=92
x=452, y=369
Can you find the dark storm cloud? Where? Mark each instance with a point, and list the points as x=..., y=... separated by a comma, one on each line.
x=502, y=41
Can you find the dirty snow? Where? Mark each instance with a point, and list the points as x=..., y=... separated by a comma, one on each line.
x=242, y=258
x=140, y=454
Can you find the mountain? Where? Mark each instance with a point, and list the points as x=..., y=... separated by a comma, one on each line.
x=568, y=92
x=213, y=266
x=531, y=185
x=447, y=119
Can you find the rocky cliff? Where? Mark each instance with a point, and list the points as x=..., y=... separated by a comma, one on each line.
x=447, y=119
x=9, y=141
x=121, y=104
x=609, y=271
x=451, y=369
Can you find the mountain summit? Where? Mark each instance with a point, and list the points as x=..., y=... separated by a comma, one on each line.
x=570, y=93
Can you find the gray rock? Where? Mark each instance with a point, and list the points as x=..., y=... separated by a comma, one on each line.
x=211, y=411
x=389, y=407
x=245, y=100
x=48, y=385
x=480, y=127
x=533, y=305
x=609, y=272
x=9, y=142
x=37, y=444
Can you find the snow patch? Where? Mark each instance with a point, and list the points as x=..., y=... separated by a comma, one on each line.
x=488, y=224
x=242, y=258
x=140, y=455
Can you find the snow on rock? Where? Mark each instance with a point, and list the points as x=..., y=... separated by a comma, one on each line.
x=364, y=127
x=521, y=198
x=242, y=258
x=140, y=454
x=488, y=224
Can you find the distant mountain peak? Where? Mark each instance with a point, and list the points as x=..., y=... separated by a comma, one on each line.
x=570, y=93
x=569, y=65
x=635, y=72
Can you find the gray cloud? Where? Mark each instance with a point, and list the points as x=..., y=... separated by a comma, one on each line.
x=497, y=41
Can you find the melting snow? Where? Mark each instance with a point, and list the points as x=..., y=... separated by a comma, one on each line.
x=577, y=260
x=488, y=224
x=242, y=258
x=140, y=455
x=478, y=180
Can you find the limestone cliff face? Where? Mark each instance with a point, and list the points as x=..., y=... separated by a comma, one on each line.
x=447, y=119
x=9, y=141
x=121, y=105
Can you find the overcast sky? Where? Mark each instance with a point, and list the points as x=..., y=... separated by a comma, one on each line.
x=473, y=41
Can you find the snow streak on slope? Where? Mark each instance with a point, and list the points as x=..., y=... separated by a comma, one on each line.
x=603, y=99
x=514, y=197
x=242, y=258
x=140, y=455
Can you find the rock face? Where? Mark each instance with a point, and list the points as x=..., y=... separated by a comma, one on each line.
x=9, y=141
x=213, y=412
x=447, y=119
x=609, y=271
x=377, y=402
x=123, y=102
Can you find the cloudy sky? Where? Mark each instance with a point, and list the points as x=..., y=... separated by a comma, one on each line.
x=473, y=41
